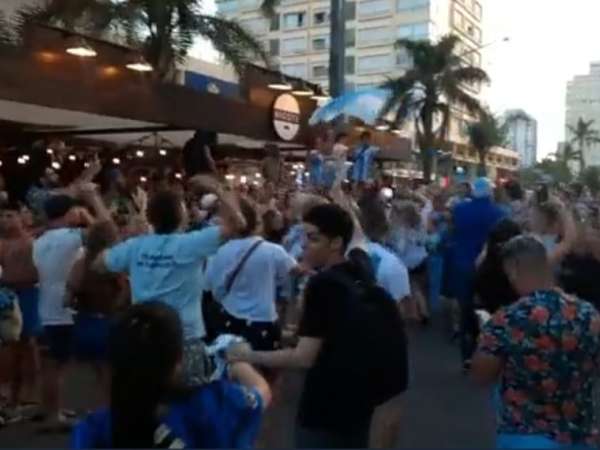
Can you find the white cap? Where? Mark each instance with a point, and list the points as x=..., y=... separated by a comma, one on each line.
x=208, y=201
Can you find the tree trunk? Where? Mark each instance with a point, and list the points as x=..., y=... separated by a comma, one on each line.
x=581, y=159
x=427, y=160
x=337, y=48
x=482, y=166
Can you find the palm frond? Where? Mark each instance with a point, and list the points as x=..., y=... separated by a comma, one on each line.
x=401, y=99
x=469, y=75
x=267, y=7
x=238, y=46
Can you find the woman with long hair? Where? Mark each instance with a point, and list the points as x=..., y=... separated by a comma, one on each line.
x=150, y=408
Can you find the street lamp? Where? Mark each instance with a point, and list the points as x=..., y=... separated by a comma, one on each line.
x=481, y=47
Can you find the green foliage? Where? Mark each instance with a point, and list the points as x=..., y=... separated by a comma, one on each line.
x=584, y=135
x=590, y=177
x=548, y=170
x=164, y=30
x=484, y=134
x=435, y=84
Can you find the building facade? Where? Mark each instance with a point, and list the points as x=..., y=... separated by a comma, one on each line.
x=522, y=135
x=583, y=101
x=298, y=36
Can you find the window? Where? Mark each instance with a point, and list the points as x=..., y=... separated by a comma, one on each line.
x=349, y=63
x=350, y=37
x=374, y=63
x=320, y=71
x=374, y=8
x=404, y=5
x=293, y=20
x=403, y=59
x=458, y=19
x=477, y=10
x=320, y=43
x=373, y=36
x=294, y=70
x=320, y=18
x=255, y=26
x=274, y=26
x=415, y=32
x=350, y=10
x=293, y=46
x=274, y=47
x=227, y=6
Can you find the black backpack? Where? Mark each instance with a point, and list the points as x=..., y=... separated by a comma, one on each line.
x=370, y=342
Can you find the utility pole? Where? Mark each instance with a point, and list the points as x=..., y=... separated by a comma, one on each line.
x=337, y=48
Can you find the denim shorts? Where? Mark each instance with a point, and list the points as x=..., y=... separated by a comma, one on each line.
x=90, y=337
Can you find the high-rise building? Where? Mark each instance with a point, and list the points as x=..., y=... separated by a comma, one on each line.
x=298, y=36
x=522, y=135
x=583, y=102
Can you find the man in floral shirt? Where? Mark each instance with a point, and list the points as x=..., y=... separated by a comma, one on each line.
x=544, y=351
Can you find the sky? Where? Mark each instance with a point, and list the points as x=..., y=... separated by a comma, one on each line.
x=551, y=41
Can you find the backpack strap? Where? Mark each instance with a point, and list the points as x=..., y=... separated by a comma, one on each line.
x=231, y=279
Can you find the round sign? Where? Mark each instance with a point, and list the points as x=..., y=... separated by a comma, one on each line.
x=286, y=117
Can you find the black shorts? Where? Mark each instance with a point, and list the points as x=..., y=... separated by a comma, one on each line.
x=262, y=336
x=59, y=339
x=420, y=269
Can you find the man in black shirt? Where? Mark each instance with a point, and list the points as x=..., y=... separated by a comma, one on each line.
x=339, y=394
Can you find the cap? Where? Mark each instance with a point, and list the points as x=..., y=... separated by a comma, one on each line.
x=58, y=206
x=482, y=187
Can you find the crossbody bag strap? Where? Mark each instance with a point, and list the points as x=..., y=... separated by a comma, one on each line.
x=238, y=268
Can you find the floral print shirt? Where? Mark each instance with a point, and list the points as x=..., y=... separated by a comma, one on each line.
x=550, y=345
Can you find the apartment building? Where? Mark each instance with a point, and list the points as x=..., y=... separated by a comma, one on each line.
x=298, y=37
x=522, y=135
x=583, y=101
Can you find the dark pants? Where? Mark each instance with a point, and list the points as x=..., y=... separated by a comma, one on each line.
x=357, y=437
x=262, y=336
x=464, y=280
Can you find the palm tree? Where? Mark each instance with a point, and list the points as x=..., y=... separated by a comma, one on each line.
x=433, y=87
x=567, y=155
x=164, y=30
x=485, y=134
x=584, y=136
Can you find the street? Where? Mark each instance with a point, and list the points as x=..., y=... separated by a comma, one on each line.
x=442, y=408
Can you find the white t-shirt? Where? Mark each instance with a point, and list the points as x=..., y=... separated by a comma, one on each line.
x=390, y=272
x=54, y=254
x=168, y=268
x=264, y=277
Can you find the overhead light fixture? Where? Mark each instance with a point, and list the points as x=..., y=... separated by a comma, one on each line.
x=56, y=166
x=382, y=126
x=178, y=176
x=139, y=153
x=139, y=64
x=320, y=95
x=258, y=175
x=230, y=177
x=25, y=158
x=143, y=179
x=397, y=131
x=116, y=161
x=281, y=85
x=21, y=160
x=162, y=152
x=86, y=165
x=243, y=179
x=72, y=158
x=49, y=151
x=77, y=46
x=303, y=90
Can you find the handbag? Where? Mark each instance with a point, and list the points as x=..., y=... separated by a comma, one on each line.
x=211, y=307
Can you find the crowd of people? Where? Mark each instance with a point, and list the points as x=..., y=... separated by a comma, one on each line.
x=187, y=298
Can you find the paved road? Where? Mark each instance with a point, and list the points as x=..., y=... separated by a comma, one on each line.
x=442, y=409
